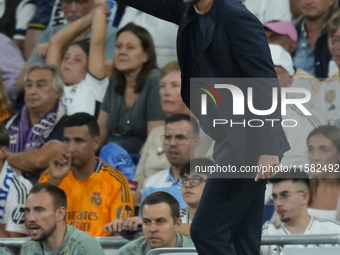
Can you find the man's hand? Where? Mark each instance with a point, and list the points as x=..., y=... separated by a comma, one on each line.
x=59, y=168
x=119, y=225
x=266, y=160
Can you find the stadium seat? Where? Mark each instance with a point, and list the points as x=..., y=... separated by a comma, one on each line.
x=173, y=251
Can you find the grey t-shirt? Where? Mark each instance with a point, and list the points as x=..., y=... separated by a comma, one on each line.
x=76, y=242
x=50, y=31
x=4, y=250
x=128, y=126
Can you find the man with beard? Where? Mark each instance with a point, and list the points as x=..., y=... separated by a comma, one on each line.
x=291, y=197
x=180, y=140
x=45, y=212
x=97, y=193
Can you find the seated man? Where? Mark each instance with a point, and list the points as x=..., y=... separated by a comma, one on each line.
x=291, y=195
x=13, y=191
x=36, y=131
x=45, y=213
x=161, y=221
x=180, y=140
x=193, y=184
x=96, y=193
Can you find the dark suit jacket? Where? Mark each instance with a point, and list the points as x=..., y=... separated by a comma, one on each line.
x=235, y=46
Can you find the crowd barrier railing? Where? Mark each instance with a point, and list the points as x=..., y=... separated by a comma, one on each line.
x=116, y=242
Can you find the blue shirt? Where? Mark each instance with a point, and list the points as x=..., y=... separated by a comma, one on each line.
x=304, y=56
x=164, y=181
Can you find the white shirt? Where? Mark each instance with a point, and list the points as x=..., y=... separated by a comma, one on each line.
x=325, y=103
x=85, y=96
x=266, y=10
x=322, y=214
x=315, y=226
x=14, y=190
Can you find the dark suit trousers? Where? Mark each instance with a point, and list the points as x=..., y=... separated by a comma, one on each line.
x=228, y=220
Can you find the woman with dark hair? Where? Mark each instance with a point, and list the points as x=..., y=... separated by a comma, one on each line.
x=132, y=107
x=5, y=103
x=324, y=157
x=81, y=63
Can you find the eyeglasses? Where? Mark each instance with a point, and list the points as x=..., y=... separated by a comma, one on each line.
x=78, y=2
x=335, y=40
x=193, y=181
x=179, y=139
x=283, y=196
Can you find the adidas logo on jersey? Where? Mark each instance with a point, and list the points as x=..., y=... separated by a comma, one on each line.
x=332, y=107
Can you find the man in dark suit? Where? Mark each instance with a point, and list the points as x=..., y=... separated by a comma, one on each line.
x=221, y=38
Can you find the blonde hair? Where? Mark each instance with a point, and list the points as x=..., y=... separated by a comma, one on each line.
x=333, y=24
x=5, y=103
x=170, y=67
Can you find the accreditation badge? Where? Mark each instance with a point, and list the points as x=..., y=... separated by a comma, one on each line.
x=330, y=96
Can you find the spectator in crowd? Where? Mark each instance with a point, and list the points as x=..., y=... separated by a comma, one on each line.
x=297, y=136
x=45, y=213
x=324, y=155
x=10, y=65
x=312, y=54
x=14, y=190
x=14, y=17
x=97, y=193
x=82, y=65
x=266, y=10
x=181, y=139
x=36, y=131
x=282, y=33
x=5, y=103
x=73, y=11
x=131, y=106
x=193, y=174
x=193, y=184
x=153, y=158
x=291, y=196
x=49, y=13
x=163, y=33
x=161, y=221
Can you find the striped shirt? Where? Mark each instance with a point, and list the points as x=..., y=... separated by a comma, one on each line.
x=14, y=190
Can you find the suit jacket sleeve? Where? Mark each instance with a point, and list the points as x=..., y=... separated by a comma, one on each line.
x=169, y=10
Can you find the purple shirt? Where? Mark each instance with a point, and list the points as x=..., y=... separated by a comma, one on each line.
x=11, y=63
